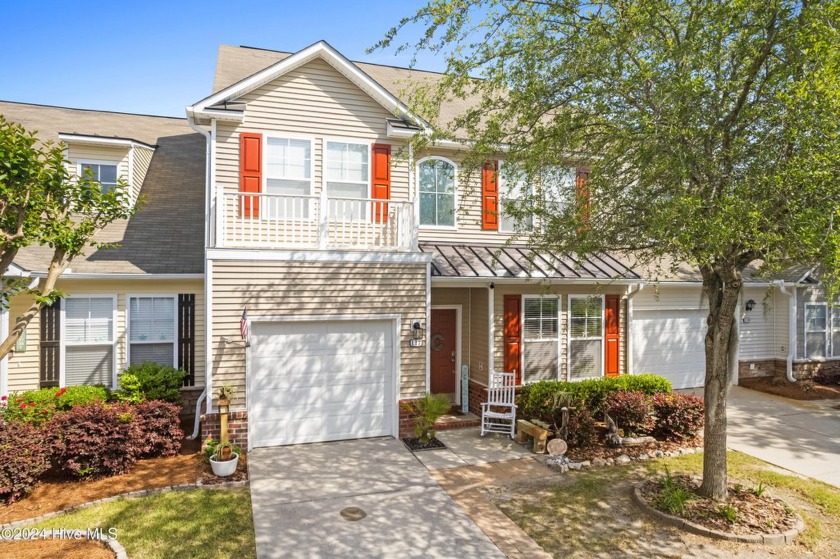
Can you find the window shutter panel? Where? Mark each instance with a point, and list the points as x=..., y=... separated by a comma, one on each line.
x=582, y=191
x=250, y=172
x=50, y=344
x=381, y=180
x=186, y=336
x=490, y=196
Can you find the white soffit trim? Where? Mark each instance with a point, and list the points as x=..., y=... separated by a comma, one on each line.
x=15, y=271
x=320, y=256
x=70, y=275
x=322, y=50
x=100, y=141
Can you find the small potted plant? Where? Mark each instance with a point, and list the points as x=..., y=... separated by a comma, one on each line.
x=226, y=393
x=223, y=457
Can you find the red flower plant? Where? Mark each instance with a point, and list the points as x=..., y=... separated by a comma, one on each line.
x=4, y=398
x=23, y=406
x=31, y=404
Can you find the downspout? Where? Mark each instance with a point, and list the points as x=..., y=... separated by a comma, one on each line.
x=791, y=295
x=629, y=341
x=207, y=299
x=491, y=330
x=735, y=340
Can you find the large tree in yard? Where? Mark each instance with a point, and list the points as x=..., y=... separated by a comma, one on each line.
x=42, y=203
x=710, y=129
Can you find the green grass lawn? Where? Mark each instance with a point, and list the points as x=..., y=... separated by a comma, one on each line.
x=590, y=513
x=193, y=524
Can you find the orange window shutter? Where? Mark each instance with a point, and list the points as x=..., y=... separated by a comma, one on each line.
x=250, y=173
x=380, y=180
x=582, y=191
x=490, y=196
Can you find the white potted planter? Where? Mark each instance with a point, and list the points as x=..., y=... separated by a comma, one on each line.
x=224, y=468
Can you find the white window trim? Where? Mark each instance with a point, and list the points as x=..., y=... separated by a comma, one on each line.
x=826, y=332
x=502, y=198
x=63, y=334
x=115, y=163
x=830, y=350
x=557, y=339
x=569, y=333
x=454, y=226
x=128, y=341
x=369, y=183
x=264, y=182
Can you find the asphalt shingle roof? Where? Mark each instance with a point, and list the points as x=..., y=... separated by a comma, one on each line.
x=166, y=234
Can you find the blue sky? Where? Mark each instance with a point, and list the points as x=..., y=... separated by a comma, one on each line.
x=155, y=57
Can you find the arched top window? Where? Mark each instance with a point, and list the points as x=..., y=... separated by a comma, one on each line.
x=436, y=184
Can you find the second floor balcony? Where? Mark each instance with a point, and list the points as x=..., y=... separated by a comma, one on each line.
x=278, y=221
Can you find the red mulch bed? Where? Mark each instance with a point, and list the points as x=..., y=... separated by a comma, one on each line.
x=819, y=388
x=755, y=515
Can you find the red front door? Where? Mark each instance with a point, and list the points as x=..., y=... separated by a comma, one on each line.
x=612, y=338
x=442, y=350
x=513, y=335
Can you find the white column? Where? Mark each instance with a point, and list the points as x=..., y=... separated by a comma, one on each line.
x=491, y=328
x=4, y=363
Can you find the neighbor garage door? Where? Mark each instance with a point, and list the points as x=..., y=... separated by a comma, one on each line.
x=320, y=381
x=670, y=343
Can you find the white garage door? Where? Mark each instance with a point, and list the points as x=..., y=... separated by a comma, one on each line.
x=320, y=381
x=670, y=343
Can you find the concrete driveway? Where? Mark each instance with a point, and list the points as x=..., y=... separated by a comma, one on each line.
x=298, y=493
x=803, y=437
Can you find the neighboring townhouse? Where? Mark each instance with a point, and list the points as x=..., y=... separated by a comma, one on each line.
x=368, y=274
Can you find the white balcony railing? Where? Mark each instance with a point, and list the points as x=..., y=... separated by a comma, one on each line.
x=280, y=221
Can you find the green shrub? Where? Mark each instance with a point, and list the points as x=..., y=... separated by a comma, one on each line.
x=425, y=412
x=583, y=432
x=674, y=495
x=151, y=381
x=538, y=400
x=38, y=406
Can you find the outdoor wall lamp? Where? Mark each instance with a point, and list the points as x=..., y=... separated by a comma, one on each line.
x=416, y=334
x=749, y=305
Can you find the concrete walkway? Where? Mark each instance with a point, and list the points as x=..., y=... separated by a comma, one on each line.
x=803, y=437
x=298, y=493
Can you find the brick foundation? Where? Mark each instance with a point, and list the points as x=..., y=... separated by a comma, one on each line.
x=237, y=427
x=814, y=368
x=478, y=394
x=407, y=418
x=762, y=368
x=189, y=396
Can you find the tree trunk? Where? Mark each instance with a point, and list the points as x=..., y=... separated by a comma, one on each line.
x=722, y=286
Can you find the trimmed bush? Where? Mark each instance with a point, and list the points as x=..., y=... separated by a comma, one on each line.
x=631, y=411
x=151, y=381
x=678, y=416
x=96, y=439
x=538, y=400
x=160, y=427
x=38, y=406
x=583, y=432
x=24, y=457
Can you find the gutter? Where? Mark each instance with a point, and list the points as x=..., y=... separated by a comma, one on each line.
x=629, y=341
x=791, y=295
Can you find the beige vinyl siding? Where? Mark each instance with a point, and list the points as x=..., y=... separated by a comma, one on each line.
x=758, y=336
x=674, y=297
x=314, y=102
x=142, y=160
x=479, y=334
x=80, y=152
x=24, y=369
x=296, y=289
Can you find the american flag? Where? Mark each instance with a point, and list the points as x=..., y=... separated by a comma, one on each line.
x=243, y=325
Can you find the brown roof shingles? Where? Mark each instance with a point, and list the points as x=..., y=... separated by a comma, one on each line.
x=166, y=234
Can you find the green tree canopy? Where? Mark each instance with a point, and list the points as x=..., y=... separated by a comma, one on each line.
x=41, y=203
x=711, y=130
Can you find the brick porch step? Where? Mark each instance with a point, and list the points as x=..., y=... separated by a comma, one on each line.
x=457, y=421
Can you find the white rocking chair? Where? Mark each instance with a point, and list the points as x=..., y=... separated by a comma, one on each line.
x=498, y=413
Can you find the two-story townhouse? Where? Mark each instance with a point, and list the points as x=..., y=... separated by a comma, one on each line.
x=290, y=205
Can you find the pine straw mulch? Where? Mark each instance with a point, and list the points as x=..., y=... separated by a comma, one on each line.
x=818, y=388
x=241, y=474
x=754, y=515
x=55, y=549
x=580, y=454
